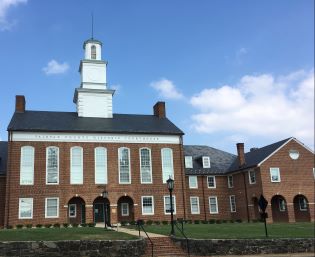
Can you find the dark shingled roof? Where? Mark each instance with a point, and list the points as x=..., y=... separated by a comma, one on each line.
x=42, y=121
x=3, y=157
x=220, y=161
x=254, y=157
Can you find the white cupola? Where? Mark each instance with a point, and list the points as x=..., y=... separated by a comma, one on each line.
x=93, y=98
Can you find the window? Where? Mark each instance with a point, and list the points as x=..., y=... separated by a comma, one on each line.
x=124, y=209
x=314, y=172
x=124, y=165
x=252, y=177
x=25, y=208
x=230, y=181
x=206, y=161
x=27, y=165
x=72, y=210
x=232, y=203
x=52, y=207
x=93, y=52
x=76, y=166
x=282, y=204
x=188, y=162
x=294, y=154
x=167, y=204
x=167, y=164
x=275, y=174
x=211, y=182
x=147, y=205
x=100, y=165
x=302, y=204
x=213, y=205
x=145, y=165
x=52, y=165
x=194, y=205
x=193, y=182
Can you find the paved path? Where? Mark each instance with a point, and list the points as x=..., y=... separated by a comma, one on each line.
x=136, y=232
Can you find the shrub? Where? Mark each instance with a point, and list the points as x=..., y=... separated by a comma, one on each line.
x=39, y=225
x=196, y=221
x=9, y=227
x=65, y=225
x=133, y=222
x=164, y=222
x=239, y=220
x=188, y=221
x=224, y=221
x=255, y=221
x=149, y=222
x=56, y=225
x=19, y=226
x=91, y=225
x=232, y=221
x=157, y=222
x=123, y=223
x=47, y=225
x=204, y=222
x=218, y=221
x=212, y=221
x=29, y=225
x=83, y=225
x=74, y=225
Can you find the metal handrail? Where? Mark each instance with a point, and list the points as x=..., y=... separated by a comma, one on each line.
x=182, y=232
x=140, y=225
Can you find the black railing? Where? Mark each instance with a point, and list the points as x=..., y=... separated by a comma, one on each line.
x=140, y=226
x=183, y=234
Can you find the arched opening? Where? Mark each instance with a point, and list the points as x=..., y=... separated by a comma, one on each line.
x=279, y=209
x=101, y=210
x=76, y=210
x=125, y=210
x=93, y=52
x=256, y=213
x=301, y=208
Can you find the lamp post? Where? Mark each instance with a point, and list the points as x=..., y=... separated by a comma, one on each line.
x=170, y=186
x=105, y=195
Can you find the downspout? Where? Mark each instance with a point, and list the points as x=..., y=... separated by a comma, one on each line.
x=183, y=174
x=246, y=199
x=203, y=196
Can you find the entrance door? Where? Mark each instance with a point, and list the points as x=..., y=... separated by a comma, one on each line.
x=99, y=212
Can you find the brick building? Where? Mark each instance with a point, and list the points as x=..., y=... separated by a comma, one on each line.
x=94, y=165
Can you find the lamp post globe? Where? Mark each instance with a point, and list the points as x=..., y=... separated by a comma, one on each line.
x=170, y=186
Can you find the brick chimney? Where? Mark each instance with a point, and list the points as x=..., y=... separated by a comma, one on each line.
x=19, y=103
x=159, y=109
x=241, y=154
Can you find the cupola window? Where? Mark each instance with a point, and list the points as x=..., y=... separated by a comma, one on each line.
x=93, y=52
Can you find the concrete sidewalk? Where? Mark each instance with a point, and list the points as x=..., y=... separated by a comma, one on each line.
x=136, y=232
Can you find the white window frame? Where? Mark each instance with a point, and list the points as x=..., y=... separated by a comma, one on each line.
x=188, y=162
x=249, y=177
x=214, y=182
x=129, y=165
x=280, y=206
x=46, y=200
x=32, y=201
x=314, y=173
x=300, y=207
x=140, y=158
x=174, y=204
x=75, y=210
x=82, y=168
x=206, y=162
x=230, y=181
x=122, y=209
x=275, y=181
x=147, y=196
x=191, y=209
x=190, y=183
x=216, y=203
x=47, y=149
x=232, y=201
x=31, y=166
x=165, y=175
x=105, y=178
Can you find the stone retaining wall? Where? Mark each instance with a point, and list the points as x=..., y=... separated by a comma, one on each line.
x=95, y=248
x=206, y=247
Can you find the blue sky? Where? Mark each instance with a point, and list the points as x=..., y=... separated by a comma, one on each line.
x=229, y=71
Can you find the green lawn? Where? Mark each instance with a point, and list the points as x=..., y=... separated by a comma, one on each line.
x=54, y=234
x=239, y=230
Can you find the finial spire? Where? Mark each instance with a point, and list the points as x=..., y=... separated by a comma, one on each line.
x=92, y=24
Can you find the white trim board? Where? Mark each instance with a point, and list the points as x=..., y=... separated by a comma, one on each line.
x=94, y=137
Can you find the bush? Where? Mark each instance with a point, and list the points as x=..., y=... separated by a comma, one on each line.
x=157, y=222
x=204, y=222
x=39, y=225
x=9, y=227
x=29, y=225
x=239, y=221
x=149, y=222
x=232, y=221
x=65, y=225
x=47, y=225
x=211, y=221
x=133, y=222
x=164, y=222
x=255, y=221
x=56, y=225
x=224, y=221
x=196, y=221
x=91, y=225
x=83, y=225
x=218, y=221
x=74, y=225
x=123, y=223
x=19, y=226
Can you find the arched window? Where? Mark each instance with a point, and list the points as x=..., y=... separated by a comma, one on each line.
x=76, y=165
x=145, y=165
x=167, y=164
x=52, y=165
x=93, y=52
x=27, y=165
x=100, y=165
x=124, y=165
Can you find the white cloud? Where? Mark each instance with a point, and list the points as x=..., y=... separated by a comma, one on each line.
x=116, y=87
x=5, y=5
x=53, y=67
x=262, y=105
x=167, y=89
